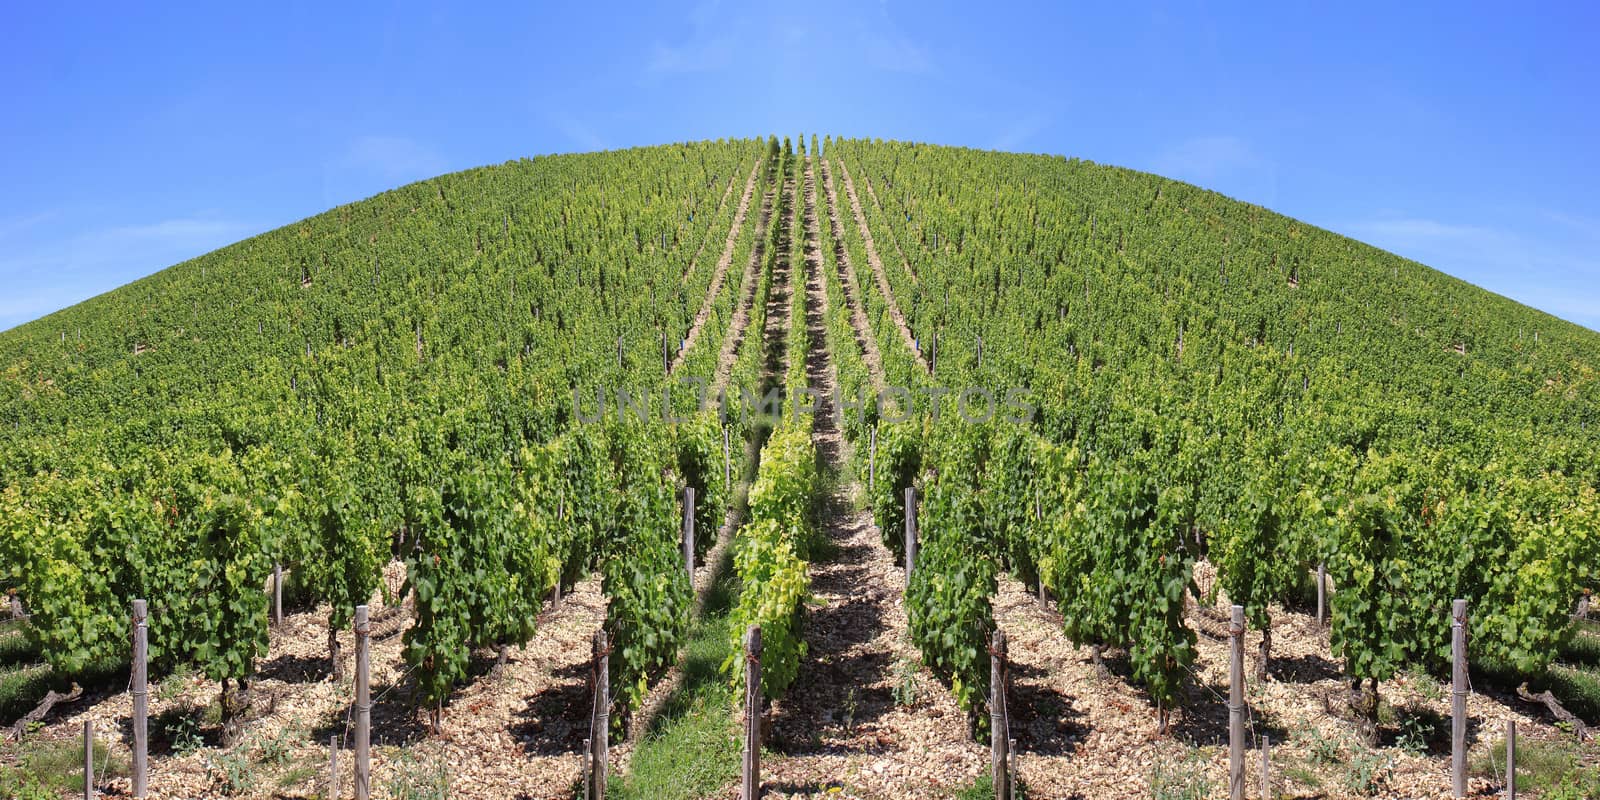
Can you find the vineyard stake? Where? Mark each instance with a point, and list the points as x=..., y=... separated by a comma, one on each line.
x=911, y=531
x=1511, y=759
x=1044, y=596
x=333, y=767
x=141, y=698
x=600, y=726
x=872, y=461
x=363, y=705
x=1266, y=768
x=277, y=595
x=561, y=516
x=751, y=779
x=1458, y=699
x=1011, y=768
x=688, y=531
x=1322, y=594
x=1236, y=705
x=999, y=732
x=588, y=766
x=727, y=464
x=88, y=761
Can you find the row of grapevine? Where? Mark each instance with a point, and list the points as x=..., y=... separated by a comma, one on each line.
x=392, y=379
x=1256, y=416
x=773, y=546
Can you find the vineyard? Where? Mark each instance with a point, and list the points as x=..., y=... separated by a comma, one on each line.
x=879, y=400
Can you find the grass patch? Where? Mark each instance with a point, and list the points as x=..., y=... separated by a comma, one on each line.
x=16, y=648
x=302, y=774
x=1578, y=688
x=1180, y=775
x=983, y=789
x=1584, y=649
x=417, y=777
x=22, y=688
x=692, y=747
x=1554, y=769
x=49, y=768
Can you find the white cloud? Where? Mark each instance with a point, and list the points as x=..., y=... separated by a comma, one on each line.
x=11, y=227
x=578, y=132
x=1222, y=163
x=889, y=50
x=690, y=57
x=722, y=38
x=47, y=276
x=1020, y=131
x=1207, y=158
x=709, y=46
x=1546, y=270
x=394, y=158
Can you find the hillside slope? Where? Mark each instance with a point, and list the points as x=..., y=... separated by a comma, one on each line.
x=457, y=272
x=393, y=402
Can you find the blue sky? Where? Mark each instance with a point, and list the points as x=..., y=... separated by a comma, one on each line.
x=1463, y=136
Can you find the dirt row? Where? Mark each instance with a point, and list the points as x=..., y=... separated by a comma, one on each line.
x=741, y=316
x=872, y=258
x=723, y=261
x=864, y=718
x=893, y=239
x=670, y=684
x=848, y=281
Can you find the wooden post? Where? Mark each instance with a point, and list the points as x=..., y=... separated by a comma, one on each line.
x=601, y=725
x=872, y=460
x=1511, y=759
x=727, y=464
x=1011, y=767
x=1236, y=705
x=141, y=699
x=1322, y=594
x=88, y=760
x=911, y=531
x=561, y=516
x=363, y=707
x=751, y=771
x=999, y=734
x=277, y=594
x=333, y=767
x=1458, y=699
x=588, y=766
x=688, y=531
x=1266, y=768
x=1044, y=594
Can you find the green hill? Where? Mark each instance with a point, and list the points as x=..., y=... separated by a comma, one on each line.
x=446, y=278
x=395, y=379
